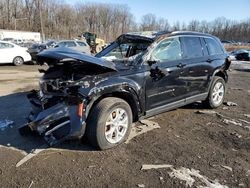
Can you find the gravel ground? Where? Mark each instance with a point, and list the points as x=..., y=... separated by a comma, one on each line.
x=196, y=149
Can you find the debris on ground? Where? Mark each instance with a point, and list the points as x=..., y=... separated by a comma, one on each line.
x=228, y=121
x=241, y=185
x=209, y=112
x=236, y=134
x=187, y=175
x=30, y=155
x=248, y=173
x=229, y=103
x=31, y=184
x=232, y=88
x=227, y=167
x=146, y=125
x=148, y=167
x=141, y=185
x=247, y=127
x=245, y=121
x=225, y=108
x=5, y=123
x=247, y=115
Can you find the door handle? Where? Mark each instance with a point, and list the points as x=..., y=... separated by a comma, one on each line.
x=181, y=65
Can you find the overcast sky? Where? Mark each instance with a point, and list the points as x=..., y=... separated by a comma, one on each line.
x=185, y=10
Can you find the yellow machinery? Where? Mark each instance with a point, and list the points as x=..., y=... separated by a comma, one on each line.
x=96, y=44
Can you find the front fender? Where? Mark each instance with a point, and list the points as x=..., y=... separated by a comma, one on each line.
x=111, y=87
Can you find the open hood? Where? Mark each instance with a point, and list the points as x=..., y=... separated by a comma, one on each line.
x=61, y=54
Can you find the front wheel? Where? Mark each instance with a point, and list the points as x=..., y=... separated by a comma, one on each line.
x=18, y=61
x=217, y=93
x=109, y=123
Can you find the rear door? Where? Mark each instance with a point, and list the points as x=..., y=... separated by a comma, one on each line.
x=198, y=69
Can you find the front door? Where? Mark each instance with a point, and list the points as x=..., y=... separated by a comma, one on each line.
x=164, y=83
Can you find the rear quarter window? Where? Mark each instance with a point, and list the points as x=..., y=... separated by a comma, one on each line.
x=213, y=46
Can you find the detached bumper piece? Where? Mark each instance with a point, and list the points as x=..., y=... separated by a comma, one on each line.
x=57, y=123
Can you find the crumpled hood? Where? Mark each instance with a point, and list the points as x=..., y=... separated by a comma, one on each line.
x=58, y=55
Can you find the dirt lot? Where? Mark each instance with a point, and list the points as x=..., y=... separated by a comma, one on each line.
x=210, y=150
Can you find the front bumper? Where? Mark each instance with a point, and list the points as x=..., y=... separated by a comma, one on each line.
x=57, y=122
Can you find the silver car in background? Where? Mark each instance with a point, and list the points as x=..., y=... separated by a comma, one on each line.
x=75, y=45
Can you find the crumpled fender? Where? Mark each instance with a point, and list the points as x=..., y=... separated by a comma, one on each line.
x=98, y=88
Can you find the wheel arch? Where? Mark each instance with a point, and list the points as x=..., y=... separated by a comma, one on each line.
x=129, y=96
x=221, y=74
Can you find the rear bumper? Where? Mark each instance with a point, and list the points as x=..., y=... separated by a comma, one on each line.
x=26, y=57
x=55, y=123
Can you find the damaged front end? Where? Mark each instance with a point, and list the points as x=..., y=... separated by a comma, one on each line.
x=59, y=107
x=57, y=121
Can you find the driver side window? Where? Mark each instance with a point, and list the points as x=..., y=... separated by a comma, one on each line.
x=167, y=50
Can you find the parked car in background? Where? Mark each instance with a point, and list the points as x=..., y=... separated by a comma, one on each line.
x=241, y=55
x=153, y=73
x=226, y=42
x=18, y=41
x=36, y=48
x=79, y=46
x=8, y=39
x=12, y=53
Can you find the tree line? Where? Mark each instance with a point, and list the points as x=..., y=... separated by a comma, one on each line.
x=57, y=19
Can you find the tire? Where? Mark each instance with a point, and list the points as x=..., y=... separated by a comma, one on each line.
x=101, y=132
x=17, y=61
x=219, y=85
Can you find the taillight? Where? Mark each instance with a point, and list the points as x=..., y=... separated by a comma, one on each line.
x=80, y=109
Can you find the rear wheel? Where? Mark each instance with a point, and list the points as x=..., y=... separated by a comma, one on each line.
x=109, y=123
x=18, y=61
x=216, y=94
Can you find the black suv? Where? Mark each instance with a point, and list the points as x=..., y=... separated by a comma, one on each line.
x=137, y=76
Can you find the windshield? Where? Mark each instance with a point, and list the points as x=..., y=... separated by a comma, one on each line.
x=127, y=53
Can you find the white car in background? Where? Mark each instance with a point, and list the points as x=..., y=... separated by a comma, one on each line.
x=12, y=53
x=79, y=46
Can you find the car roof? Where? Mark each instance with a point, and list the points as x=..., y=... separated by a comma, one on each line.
x=156, y=34
x=66, y=41
x=7, y=42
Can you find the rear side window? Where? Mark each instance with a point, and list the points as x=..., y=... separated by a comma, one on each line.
x=213, y=46
x=70, y=44
x=81, y=44
x=6, y=45
x=61, y=44
x=192, y=47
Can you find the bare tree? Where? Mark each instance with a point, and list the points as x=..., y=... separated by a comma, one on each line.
x=62, y=20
